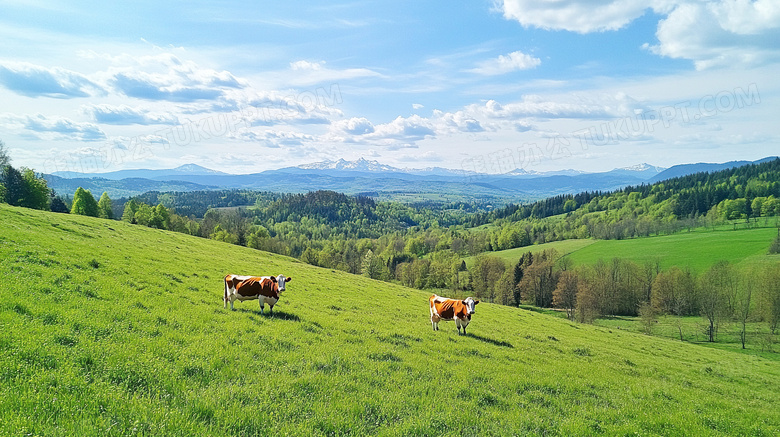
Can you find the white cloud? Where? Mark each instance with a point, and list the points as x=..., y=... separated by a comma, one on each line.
x=125, y=115
x=507, y=63
x=582, y=16
x=307, y=65
x=458, y=121
x=355, y=126
x=37, y=81
x=711, y=33
x=538, y=107
x=307, y=73
x=55, y=128
x=721, y=34
x=275, y=139
x=168, y=78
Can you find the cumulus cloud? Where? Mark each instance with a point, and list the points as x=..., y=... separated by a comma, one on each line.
x=125, y=115
x=507, y=63
x=355, y=126
x=721, y=34
x=711, y=33
x=166, y=77
x=414, y=128
x=269, y=108
x=458, y=121
x=55, y=128
x=37, y=81
x=537, y=107
x=275, y=139
x=582, y=16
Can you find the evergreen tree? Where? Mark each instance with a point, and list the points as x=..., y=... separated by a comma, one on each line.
x=84, y=203
x=105, y=207
x=58, y=205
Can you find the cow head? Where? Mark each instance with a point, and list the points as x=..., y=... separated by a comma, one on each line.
x=280, y=281
x=470, y=304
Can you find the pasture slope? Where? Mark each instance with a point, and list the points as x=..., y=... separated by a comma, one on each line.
x=113, y=329
x=697, y=250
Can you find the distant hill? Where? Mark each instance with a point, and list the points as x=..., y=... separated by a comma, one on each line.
x=688, y=169
x=119, y=188
x=174, y=174
x=382, y=181
x=361, y=177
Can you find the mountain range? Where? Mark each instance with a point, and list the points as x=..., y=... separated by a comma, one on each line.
x=378, y=180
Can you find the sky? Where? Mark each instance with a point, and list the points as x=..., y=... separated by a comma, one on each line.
x=486, y=86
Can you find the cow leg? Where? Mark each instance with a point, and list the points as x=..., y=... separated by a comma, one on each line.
x=232, y=298
x=262, y=307
x=270, y=309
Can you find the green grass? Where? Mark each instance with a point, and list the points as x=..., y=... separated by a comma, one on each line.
x=113, y=329
x=760, y=342
x=511, y=256
x=698, y=249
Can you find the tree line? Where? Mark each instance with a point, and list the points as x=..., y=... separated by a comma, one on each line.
x=620, y=287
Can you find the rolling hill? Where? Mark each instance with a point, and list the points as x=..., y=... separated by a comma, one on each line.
x=115, y=329
x=697, y=250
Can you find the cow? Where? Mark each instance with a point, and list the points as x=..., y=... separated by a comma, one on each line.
x=266, y=289
x=443, y=308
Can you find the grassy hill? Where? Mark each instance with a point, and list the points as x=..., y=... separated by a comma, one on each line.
x=114, y=329
x=698, y=249
x=511, y=256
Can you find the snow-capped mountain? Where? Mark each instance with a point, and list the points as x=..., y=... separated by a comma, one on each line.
x=643, y=171
x=361, y=164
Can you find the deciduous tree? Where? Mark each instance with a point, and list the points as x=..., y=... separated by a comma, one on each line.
x=104, y=207
x=84, y=203
x=565, y=294
x=716, y=283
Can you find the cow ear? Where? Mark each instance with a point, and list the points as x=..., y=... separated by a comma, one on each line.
x=476, y=302
x=273, y=279
x=288, y=279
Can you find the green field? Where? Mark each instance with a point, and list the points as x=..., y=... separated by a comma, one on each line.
x=511, y=256
x=114, y=329
x=698, y=249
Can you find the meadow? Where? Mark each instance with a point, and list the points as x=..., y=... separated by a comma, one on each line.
x=115, y=329
x=698, y=249
x=512, y=256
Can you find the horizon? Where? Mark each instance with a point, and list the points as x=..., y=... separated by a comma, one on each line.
x=488, y=87
x=339, y=160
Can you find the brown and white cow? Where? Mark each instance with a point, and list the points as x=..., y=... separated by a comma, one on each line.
x=266, y=289
x=443, y=308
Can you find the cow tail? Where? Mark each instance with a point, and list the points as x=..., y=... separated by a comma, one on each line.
x=225, y=299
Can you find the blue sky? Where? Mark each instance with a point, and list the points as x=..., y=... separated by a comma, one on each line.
x=484, y=86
